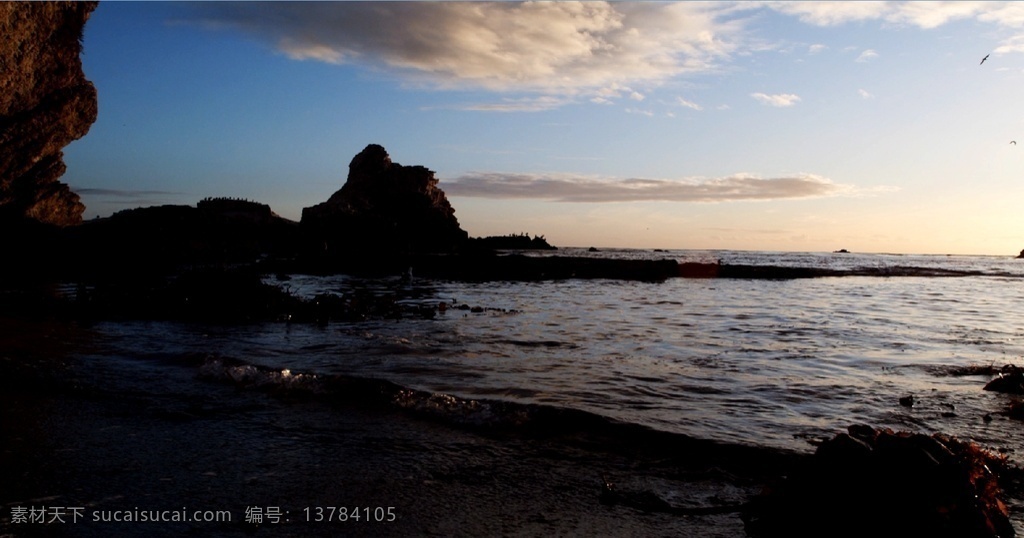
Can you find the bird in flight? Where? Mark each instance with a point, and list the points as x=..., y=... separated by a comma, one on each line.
x=1014, y=142
x=985, y=58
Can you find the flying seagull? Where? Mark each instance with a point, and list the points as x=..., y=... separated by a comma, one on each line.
x=1014, y=142
x=985, y=58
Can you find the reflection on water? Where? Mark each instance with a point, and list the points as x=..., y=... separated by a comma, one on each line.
x=751, y=361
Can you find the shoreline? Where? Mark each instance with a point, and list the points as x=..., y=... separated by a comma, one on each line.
x=105, y=433
x=103, y=441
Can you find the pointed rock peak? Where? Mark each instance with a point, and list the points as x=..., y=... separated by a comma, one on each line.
x=374, y=159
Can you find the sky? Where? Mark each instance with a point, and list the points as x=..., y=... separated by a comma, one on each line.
x=785, y=126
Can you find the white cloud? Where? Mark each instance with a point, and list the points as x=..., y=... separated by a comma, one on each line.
x=920, y=14
x=831, y=13
x=867, y=56
x=572, y=188
x=935, y=14
x=1010, y=14
x=816, y=48
x=551, y=47
x=523, y=104
x=1013, y=44
x=688, y=104
x=779, y=99
x=865, y=94
x=647, y=113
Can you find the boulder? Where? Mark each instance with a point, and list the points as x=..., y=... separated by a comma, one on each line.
x=876, y=482
x=45, y=104
x=383, y=209
x=1009, y=381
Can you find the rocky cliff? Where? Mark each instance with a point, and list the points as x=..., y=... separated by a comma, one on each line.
x=383, y=208
x=45, y=103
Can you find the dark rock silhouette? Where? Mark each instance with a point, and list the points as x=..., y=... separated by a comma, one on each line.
x=876, y=482
x=1010, y=381
x=511, y=242
x=161, y=239
x=488, y=267
x=383, y=210
x=45, y=103
x=1021, y=255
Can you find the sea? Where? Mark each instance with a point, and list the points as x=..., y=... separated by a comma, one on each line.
x=505, y=407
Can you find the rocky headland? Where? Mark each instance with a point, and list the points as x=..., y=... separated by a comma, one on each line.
x=45, y=103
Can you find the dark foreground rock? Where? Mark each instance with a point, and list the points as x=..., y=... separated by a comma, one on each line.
x=45, y=104
x=1010, y=380
x=873, y=482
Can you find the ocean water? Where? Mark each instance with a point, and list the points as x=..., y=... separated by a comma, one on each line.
x=770, y=365
x=764, y=362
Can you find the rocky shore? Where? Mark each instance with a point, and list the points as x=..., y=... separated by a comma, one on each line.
x=226, y=261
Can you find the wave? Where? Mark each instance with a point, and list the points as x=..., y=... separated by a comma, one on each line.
x=495, y=417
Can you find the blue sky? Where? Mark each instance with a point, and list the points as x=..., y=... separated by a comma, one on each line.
x=787, y=126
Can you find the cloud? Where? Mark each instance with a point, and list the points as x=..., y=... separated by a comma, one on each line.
x=1013, y=44
x=920, y=14
x=522, y=104
x=575, y=49
x=688, y=104
x=779, y=99
x=565, y=47
x=571, y=188
x=867, y=56
x=865, y=94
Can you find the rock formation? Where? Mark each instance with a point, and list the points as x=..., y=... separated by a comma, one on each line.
x=876, y=482
x=45, y=103
x=384, y=209
x=163, y=238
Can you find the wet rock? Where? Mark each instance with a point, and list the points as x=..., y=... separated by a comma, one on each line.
x=1016, y=411
x=907, y=401
x=876, y=482
x=1009, y=381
